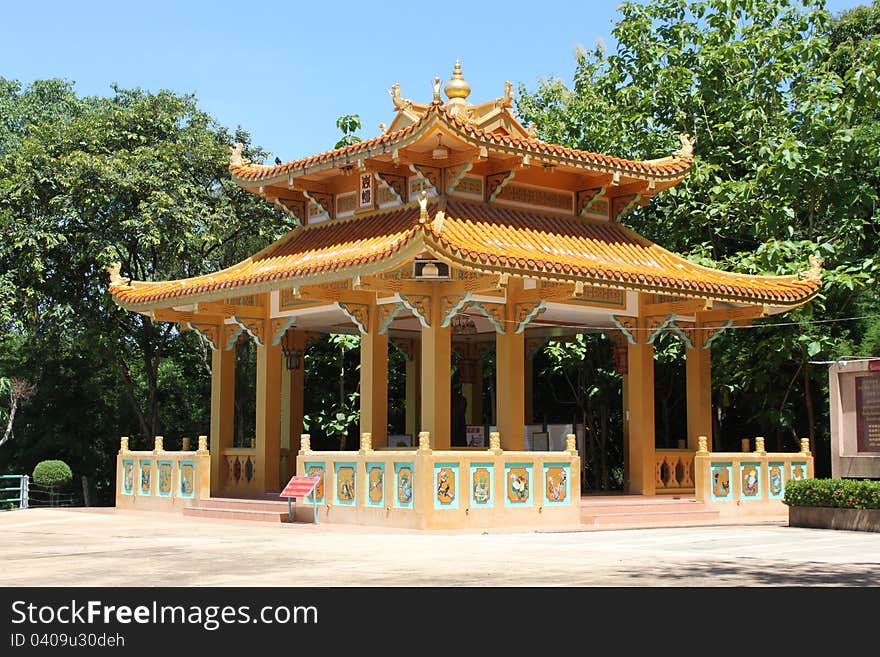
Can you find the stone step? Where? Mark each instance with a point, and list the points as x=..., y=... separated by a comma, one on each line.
x=642, y=519
x=241, y=503
x=674, y=507
x=237, y=514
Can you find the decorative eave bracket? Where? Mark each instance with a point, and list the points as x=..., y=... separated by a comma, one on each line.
x=359, y=313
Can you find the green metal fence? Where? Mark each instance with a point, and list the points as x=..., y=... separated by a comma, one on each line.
x=14, y=492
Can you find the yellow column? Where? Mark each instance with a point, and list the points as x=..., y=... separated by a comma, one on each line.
x=374, y=381
x=529, y=377
x=640, y=393
x=698, y=369
x=412, y=391
x=222, y=411
x=268, y=422
x=510, y=383
x=297, y=405
x=285, y=422
x=436, y=367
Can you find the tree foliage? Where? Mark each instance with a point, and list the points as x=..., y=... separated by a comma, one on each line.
x=137, y=178
x=783, y=101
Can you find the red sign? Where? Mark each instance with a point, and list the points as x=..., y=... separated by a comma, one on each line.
x=874, y=365
x=299, y=486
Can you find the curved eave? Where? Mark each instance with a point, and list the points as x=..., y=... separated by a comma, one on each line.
x=675, y=275
x=603, y=255
x=453, y=257
x=234, y=282
x=667, y=170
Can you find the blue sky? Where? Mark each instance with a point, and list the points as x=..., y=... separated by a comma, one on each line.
x=286, y=70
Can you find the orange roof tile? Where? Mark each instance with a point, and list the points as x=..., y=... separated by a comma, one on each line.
x=479, y=237
x=303, y=253
x=676, y=167
x=503, y=239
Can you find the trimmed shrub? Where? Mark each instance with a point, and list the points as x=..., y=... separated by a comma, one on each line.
x=835, y=493
x=52, y=474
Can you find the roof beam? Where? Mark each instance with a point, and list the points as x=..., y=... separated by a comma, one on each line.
x=169, y=315
x=389, y=286
x=639, y=187
x=688, y=307
x=558, y=292
x=425, y=159
x=735, y=314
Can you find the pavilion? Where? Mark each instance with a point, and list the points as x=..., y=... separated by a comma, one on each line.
x=455, y=215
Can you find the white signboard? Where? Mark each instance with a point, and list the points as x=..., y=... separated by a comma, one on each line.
x=476, y=436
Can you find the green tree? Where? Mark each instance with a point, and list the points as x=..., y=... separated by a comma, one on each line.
x=348, y=124
x=137, y=178
x=783, y=101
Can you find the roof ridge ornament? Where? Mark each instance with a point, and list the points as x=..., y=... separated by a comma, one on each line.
x=423, y=207
x=436, y=86
x=235, y=157
x=687, y=145
x=814, y=273
x=400, y=103
x=116, y=280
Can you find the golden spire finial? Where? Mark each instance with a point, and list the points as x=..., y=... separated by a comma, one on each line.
x=457, y=87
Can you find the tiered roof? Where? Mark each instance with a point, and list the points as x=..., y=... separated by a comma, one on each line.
x=480, y=236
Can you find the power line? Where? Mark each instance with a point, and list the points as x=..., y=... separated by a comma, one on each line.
x=701, y=328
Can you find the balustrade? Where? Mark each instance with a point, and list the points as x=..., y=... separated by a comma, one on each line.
x=674, y=470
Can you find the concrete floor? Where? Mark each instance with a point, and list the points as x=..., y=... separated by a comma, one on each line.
x=103, y=547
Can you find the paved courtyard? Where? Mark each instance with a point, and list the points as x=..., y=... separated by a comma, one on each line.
x=109, y=548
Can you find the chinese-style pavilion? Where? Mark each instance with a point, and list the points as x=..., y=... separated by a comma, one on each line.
x=455, y=215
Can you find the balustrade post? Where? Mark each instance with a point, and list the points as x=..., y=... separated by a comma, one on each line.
x=184, y=447
x=366, y=442
x=203, y=445
x=702, y=445
x=123, y=444
x=746, y=445
x=495, y=442
x=424, y=441
x=158, y=446
x=759, y=446
x=805, y=446
x=571, y=443
x=305, y=443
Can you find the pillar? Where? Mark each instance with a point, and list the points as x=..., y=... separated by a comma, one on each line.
x=436, y=368
x=624, y=394
x=268, y=422
x=374, y=381
x=510, y=384
x=296, y=394
x=413, y=375
x=640, y=394
x=292, y=381
x=529, y=378
x=222, y=412
x=698, y=370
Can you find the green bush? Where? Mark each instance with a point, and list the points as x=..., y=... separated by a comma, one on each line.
x=837, y=493
x=53, y=474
